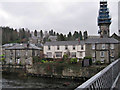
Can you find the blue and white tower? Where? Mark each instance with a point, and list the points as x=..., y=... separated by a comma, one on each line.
x=104, y=20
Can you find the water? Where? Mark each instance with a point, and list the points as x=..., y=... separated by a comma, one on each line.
x=14, y=81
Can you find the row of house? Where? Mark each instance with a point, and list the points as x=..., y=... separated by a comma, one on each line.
x=102, y=49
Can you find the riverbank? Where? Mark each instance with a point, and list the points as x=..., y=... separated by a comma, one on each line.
x=13, y=81
x=74, y=71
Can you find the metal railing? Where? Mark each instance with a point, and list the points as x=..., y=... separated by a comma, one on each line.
x=104, y=79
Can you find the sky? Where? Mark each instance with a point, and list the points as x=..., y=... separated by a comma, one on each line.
x=62, y=16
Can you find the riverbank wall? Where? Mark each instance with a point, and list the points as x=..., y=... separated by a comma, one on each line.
x=56, y=71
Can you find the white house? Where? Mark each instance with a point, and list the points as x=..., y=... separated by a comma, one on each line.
x=57, y=49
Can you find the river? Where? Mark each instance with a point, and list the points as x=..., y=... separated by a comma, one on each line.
x=14, y=81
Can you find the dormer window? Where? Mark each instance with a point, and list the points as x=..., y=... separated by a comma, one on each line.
x=73, y=47
x=66, y=47
x=48, y=47
x=58, y=48
x=82, y=47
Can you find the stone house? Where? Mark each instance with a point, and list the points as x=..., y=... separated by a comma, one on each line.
x=102, y=49
x=21, y=54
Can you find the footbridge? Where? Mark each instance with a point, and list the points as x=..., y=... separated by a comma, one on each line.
x=108, y=78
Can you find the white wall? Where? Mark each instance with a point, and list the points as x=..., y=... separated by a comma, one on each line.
x=53, y=49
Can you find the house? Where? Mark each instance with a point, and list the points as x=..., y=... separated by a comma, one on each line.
x=52, y=38
x=102, y=49
x=57, y=49
x=21, y=54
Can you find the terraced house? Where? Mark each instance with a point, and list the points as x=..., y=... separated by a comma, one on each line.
x=57, y=49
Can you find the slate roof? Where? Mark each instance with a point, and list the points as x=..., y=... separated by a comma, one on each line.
x=53, y=43
x=88, y=41
x=24, y=46
x=102, y=40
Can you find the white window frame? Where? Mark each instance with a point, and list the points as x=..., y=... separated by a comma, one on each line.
x=81, y=54
x=73, y=54
x=58, y=56
x=112, y=46
x=102, y=60
x=93, y=54
x=103, y=46
x=93, y=46
x=49, y=54
x=102, y=54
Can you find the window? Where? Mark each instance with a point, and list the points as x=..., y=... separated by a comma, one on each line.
x=58, y=54
x=81, y=54
x=112, y=46
x=11, y=52
x=18, y=53
x=73, y=54
x=82, y=47
x=48, y=47
x=93, y=54
x=49, y=54
x=73, y=47
x=26, y=53
x=93, y=46
x=66, y=47
x=58, y=48
x=102, y=60
x=102, y=54
x=103, y=46
x=112, y=54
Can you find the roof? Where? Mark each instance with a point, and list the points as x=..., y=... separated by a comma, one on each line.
x=24, y=46
x=39, y=44
x=8, y=45
x=102, y=40
x=116, y=36
x=54, y=43
x=87, y=41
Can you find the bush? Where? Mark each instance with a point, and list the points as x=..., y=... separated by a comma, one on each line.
x=88, y=57
x=73, y=60
x=36, y=59
x=65, y=57
x=98, y=63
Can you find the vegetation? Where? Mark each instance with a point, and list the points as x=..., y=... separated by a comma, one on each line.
x=10, y=35
x=98, y=63
x=65, y=57
x=73, y=60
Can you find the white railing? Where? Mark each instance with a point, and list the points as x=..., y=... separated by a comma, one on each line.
x=104, y=79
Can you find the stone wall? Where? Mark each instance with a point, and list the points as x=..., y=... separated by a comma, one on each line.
x=64, y=71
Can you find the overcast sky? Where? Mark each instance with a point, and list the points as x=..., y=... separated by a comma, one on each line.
x=61, y=16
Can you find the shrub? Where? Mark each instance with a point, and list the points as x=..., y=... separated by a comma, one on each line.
x=73, y=60
x=88, y=57
x=98, y=62
x=65, y=57
x=36, y=59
